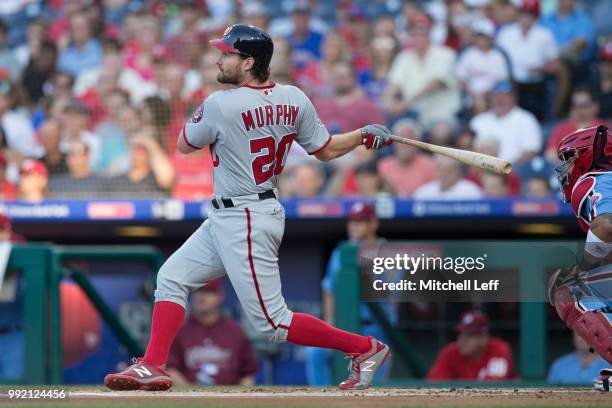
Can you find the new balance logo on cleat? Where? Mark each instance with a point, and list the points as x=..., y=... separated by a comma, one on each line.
x=139, y=376
x=363, y=366
x=142, y=371
x=368, y=365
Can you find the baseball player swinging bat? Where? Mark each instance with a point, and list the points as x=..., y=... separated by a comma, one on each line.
x=483, y=161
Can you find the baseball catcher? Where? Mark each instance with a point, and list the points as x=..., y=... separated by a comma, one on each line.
x=581, y=294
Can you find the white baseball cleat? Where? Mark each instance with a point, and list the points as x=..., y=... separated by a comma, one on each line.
x=363, y=366
x=603, y=382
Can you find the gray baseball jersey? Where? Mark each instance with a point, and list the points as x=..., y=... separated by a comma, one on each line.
x=250, y=131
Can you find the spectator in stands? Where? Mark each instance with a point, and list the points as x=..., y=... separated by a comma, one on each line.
x=49, y=135
x=33, y=180
x=305, y=42
x=465, y=138
x=368, y=180
x=186, y=43
x=574, y=33
x=281, y=65
x=61, y=85
x=577, y=367
x=494, y=185
x=344, y=180
x=8, y=191
x=39, y=71
x=450, y=184
x=517, y=130
x=211, y=348
x=349, y=107
x=155, y=115
x=362, y=229
x=442, y=132
x=475, y=355
x=84, y=51
x=421, y=79
x=80, y=182
x=8, y=60
x=139, y=55
x=583, y=113
x=76, y=122
x=172, y=89
x=317, y=77
x=254, y=13
x=60, y=25
x=604, y=86
x=121, y=122
x=16, y=126
x=537, y=187
x=481, y=66
x=151, y=172
x=533, y=53
x=408, y=168
x=357, y=29
x=113, y=68
x=383, y=51
x=458, y=32
x=37, y=34
x=504, y=12
x=490, y=146
x=307, y=180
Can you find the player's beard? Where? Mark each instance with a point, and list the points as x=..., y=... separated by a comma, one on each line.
x=228, y=77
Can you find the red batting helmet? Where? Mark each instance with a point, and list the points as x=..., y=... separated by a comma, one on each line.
x=585, y=150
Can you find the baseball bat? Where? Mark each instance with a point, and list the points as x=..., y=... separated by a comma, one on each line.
x=483, y=161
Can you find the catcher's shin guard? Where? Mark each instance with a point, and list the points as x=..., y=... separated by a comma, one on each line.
x=593, y=326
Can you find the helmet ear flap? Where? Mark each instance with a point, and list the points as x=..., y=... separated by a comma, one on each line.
x=599, y=146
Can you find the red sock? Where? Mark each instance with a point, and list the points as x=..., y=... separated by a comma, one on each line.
x=167, y=320
x=307, y=330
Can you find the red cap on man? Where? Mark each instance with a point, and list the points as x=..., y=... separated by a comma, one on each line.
x=473, y=322
x=531, y=6
x=362, y=211
x=33, y=166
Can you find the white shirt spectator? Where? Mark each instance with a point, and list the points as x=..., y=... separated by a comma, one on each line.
x=517, y=132
x=412, y=74
x=20, y=134
x=527, y=52
x=481, y=70
x=461, y=190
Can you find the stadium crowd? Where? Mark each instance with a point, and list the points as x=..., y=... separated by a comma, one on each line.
x=93, y=93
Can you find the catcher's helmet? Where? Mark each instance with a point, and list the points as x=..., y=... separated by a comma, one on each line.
x=583, y=151
x=247, y=40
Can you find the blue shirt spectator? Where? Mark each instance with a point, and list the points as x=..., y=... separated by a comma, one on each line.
x=578, y=367
x=573, y=30
x=306, y=49
x=567, y=369
x=74, y=59
x=305, y=42
x=84, y=51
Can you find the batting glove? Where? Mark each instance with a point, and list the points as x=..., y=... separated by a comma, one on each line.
x=375, y=136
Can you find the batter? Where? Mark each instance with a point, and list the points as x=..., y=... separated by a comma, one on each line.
x=249, y=130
